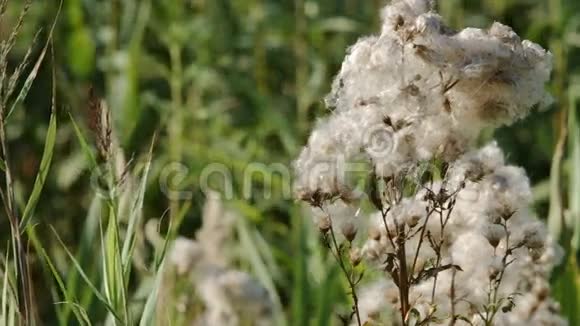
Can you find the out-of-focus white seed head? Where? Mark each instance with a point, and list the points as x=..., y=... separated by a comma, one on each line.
x=349, y=231
x=495, y=268
x=535, y=236
x=494, y=233
x=422, y=92
x=324, y=224
x=355, y=256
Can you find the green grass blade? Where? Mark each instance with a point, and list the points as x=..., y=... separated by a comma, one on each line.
x=46, y=160
x=84, y=317
x=327, y=297
x=148, y=315
x=555, y=214
x=135, y=217
x=34, y=72
x=259, y=267
x=149, y=310
x=87, y=150
x=2, y=165
x=574, y=156
x=112, y=266
x=68, y=297
x=300, y=286
x=5, y=286
x=43, y=171
x=87, y=280
x=84, y=254
x=566, y=289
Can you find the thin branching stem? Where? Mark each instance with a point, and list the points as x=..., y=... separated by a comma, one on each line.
x=349, y=276
x=19, y=251
x=403, y=274
x=421, y=237
x=335, y=250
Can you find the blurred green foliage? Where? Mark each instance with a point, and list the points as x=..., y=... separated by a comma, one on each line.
x=235, y=82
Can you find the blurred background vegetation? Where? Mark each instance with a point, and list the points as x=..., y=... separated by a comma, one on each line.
x=242, y=81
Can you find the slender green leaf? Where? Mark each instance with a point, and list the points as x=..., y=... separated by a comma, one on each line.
x=84, y=144
x=148, y=315
x=327, y=297
x=260, y=269
x=68, y=297
x=44, y=164
x=5, y=287
x=566, y=289
x=115, y=286
x=574, y=154
x=135, y=217
x=87, y=280
x=34, y=72
x=555, y=215
x=84, y=255
x=300, y=285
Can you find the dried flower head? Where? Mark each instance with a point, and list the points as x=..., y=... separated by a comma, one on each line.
x=324, y=224
x=534, y=236
x=349, y=231
x=494, y=233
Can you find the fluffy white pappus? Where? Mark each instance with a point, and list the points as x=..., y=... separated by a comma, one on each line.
x=339, y=215
x=375, y=300
x=232, y=297
x=185, y=254
x=510, y=186
x=420, y=92
x=324, y=164
x=216, y=230
x=406, y=8
x=474, y=165
x=409, y=212
x=533, y=308
x=503, y=193
x=378, y=245
x=474, y=255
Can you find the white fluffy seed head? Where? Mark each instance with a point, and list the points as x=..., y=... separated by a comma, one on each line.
x=494, y=233
x=535, y=236
x=422, y=92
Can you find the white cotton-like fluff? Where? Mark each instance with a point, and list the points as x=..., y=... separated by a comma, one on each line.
x=340, y=213
x=500, y=192
x=375, y=300
x=230, y=297
x=416, y=91
x=420, y=92
x=184, y=254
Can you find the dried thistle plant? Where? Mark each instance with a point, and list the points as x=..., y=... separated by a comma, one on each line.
x=453, y=237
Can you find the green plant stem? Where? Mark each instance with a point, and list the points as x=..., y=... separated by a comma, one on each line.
x=19, y=251
x=175, y=130
x=301, y=58
x=349, y=276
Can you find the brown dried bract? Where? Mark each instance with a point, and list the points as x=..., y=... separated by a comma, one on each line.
x=100, y=124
